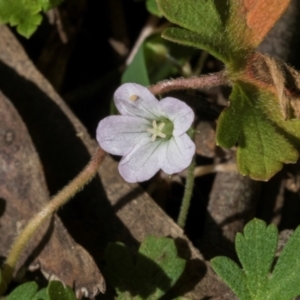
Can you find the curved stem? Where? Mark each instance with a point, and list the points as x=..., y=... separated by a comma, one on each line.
x=188, y=191
x=84, y=177
x=200, y=82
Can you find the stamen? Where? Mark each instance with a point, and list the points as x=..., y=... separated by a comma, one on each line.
x=162, y=135
x=156, y=131
x=133, y=97
x=161, y=126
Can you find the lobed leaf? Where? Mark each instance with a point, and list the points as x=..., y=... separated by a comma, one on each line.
x=256, y=248
x=151, y=6
x=284, y=281
x=233, y=275
x=255, y=123
x=256, y=119
x=24, y=14
x=201, y=17
x=48, y=4
x=164, y=253
x=255, y=13
x=24, y=291
x=203, y=25
x=156, y=270
x=156, y=60
x=228, y=30
x=54, y=291
x=57, y=291
x=189, y=38
x=209, y=25
x=119, y=269
x=41, y=295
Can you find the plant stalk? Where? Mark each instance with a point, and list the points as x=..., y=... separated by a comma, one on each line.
x=84, y=177
x=199, y=82
x=188, y=191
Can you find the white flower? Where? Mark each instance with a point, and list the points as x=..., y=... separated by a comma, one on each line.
x=149, y=134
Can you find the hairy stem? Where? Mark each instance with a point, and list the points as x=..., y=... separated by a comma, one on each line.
x=188, y=191
x=84, y=177
x=200, y=82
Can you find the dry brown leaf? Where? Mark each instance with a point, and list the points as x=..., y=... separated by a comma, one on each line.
x=23, y=192
x=279, y=78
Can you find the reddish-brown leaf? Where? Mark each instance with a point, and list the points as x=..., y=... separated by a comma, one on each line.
x=261, y=15
x=275, y=76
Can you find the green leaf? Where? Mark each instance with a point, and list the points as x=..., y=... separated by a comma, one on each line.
x=203, y=25
x=256, y=249
x=229, y=30
x=255, y=123
x=211, y=44
x=120, y=268
x=201, y=17
x=234, y=277
x=24, y=14
x=137, y=71
x=41, y=295
x=285, y=279
x=165, y=59
x=57, y=291
x=156, y=60
x=209, y=25
x=156, y=270
x=151, y=6
x=162, y=251
x=48, y=4
x=25, y=291
x=54, y=291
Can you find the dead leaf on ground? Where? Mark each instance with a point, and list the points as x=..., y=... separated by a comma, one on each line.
x=23, y=192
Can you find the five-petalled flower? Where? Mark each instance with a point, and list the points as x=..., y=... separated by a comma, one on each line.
x=149, y=134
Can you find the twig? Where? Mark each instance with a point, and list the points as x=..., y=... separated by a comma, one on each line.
x=204, y=170
x=147, y=30
x=60, y=27
x=200, y=63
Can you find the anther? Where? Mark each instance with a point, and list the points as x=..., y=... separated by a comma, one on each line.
x=156, y=131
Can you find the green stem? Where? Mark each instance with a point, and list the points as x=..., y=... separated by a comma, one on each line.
x=188, y=191
x=84, y=177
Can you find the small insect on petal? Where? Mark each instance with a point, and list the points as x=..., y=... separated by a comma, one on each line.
x=133, y=97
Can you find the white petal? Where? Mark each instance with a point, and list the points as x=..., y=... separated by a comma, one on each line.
x=119, y=134
x=132, y=99
x=180, y=151
x=143, y=161
x=179, y=113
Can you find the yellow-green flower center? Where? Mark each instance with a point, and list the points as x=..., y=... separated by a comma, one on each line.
x=161, y=129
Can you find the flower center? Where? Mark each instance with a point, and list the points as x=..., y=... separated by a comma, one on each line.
x=162, y=129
